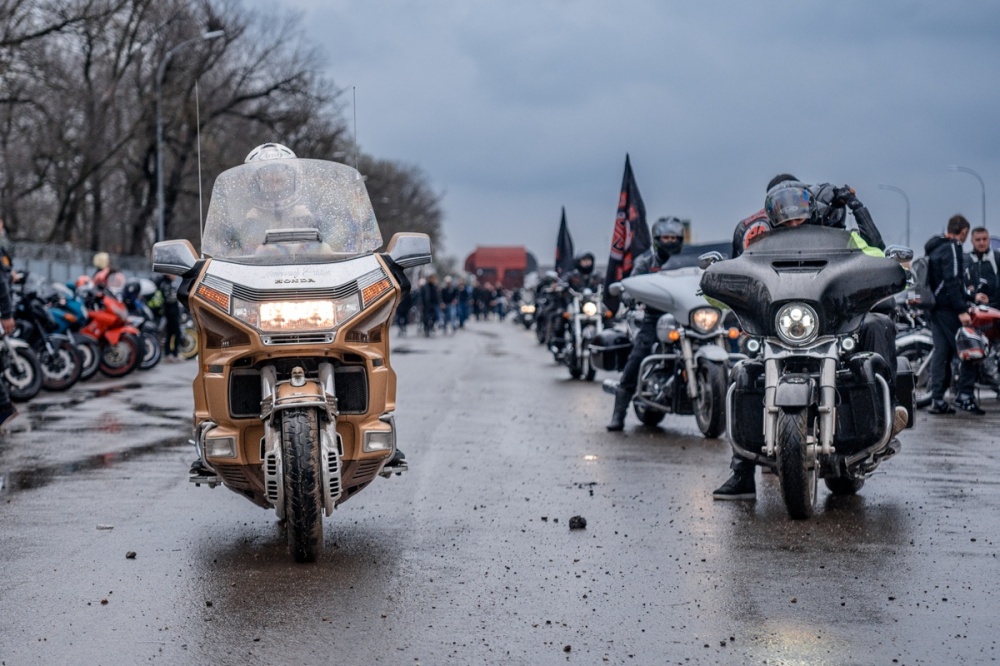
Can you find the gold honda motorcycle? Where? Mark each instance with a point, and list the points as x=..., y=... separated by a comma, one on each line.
x=295, y=394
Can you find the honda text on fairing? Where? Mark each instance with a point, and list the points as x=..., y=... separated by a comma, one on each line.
x=295, y=394
x=687, y=371
x=808, y=403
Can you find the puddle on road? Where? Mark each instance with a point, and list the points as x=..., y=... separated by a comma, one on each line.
x=82, y=397
x=29, y=478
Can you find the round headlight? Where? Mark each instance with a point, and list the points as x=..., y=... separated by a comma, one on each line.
x=797, y=324
x=590, y=309
x=665, y=325
x=705, y=319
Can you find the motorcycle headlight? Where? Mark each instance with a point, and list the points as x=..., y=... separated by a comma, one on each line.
x=289, y=316
x=528, y=309
x=666, y=325
x=705, y=319
x=589, y=309
x=797, y=324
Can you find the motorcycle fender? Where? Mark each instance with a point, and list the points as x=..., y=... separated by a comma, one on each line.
x=918, y=338
x=309, y=394
x=795, y=391
x=17, y=343
x=712, y=353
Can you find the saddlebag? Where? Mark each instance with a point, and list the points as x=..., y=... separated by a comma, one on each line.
x=747, y=415
x=860, y=404
x=609, y=350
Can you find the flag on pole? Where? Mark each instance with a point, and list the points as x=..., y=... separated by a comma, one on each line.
x=631, y=235
x=564, y=247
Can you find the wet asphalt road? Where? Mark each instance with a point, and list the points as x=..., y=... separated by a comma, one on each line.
x=469, y=558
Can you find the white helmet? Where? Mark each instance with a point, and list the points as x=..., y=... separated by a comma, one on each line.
x=269, y=151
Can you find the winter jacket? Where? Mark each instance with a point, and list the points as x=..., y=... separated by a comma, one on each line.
x=946, y=274
x=982, y=275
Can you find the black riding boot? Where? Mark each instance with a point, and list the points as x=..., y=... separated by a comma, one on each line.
x=622, y=399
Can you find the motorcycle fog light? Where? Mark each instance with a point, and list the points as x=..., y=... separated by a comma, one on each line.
x=590, y=309
x=847, y=344
x=753, y=345
x=797, y=324
x=378, y=440
x=220, y=447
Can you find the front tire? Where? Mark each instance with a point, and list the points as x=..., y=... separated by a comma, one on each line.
x=23, y=374
x=122, y=358
x=61, y=369
x=187, y=346
x=151, y=351
x=798, y=475
x=300, y=453
x=90, y=355
x=710, y=405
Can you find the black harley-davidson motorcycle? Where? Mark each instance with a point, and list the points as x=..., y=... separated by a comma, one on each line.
x=808, y=403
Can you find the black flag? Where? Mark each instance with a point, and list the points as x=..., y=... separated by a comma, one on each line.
x=631, y=236
x=564, y=247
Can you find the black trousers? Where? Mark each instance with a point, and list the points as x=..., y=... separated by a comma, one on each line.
x=944, y=326
x=642, y=345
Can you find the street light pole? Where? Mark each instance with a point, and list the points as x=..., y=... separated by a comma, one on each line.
x=893, y=188
x=955, y=167
x=159, y=123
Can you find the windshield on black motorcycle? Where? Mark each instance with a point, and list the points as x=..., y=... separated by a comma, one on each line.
x=814, y=265
x=285, y=211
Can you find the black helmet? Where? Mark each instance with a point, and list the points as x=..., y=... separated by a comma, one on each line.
x=666, y=227
x=584, y=263
x=787, y=202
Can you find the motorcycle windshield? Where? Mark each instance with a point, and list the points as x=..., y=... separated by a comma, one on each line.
x=809, y=264
x=285, y=211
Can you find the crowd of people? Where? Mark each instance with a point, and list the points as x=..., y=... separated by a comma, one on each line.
x=448, y=305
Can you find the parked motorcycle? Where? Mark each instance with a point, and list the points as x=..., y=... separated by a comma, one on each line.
x=107, y=323
x=687, y=371
x=59, y=359
x=70, y=316
x=808, y=403
x=295, y=394
x=21, y=369
x=914, y=342
x=142, y=318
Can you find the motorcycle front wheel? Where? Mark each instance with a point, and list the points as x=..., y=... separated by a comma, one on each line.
x=797, y=474
x=710, y=405
x=90, y=355
x=187, y=346
x=60, y=369
x=151, y=350
x=122, y=358
x=300, y=454
x=23, y=374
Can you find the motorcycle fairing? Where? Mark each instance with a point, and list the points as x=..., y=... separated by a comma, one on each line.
x=675, y=291
x=807, y=264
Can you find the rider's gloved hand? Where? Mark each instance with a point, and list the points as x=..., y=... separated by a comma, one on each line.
x=845, y=196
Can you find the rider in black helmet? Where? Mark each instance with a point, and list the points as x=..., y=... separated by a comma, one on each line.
x=667, y=240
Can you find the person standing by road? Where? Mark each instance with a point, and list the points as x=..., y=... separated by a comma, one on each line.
x=946, y=276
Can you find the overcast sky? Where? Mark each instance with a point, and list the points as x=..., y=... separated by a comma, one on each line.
x=515, y=108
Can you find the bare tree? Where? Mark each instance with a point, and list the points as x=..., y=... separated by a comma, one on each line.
x=78, y=81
